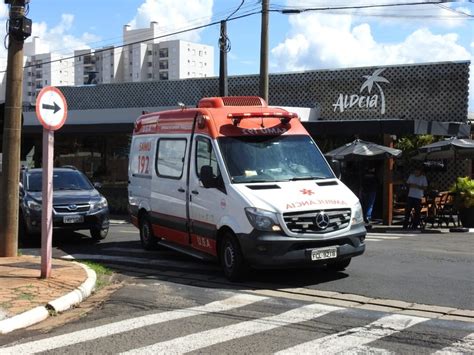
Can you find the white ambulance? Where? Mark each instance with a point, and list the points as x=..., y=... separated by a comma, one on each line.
x=240, y=182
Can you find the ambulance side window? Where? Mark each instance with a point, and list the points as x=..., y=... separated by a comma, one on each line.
x=170, y=158
x=205, y=156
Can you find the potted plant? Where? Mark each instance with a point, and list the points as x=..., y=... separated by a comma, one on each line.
x=463, y=191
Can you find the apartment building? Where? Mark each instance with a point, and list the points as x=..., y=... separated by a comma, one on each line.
x=46, y=69
x=143, y=58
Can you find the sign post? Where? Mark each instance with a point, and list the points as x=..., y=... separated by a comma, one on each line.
x=51, y=110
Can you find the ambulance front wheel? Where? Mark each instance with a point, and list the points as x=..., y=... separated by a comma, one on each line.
x=147, y=238
x=231, y=258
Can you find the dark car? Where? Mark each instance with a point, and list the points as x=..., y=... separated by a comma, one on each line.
x=77, y=205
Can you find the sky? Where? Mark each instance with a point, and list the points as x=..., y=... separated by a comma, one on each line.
x=322, y=39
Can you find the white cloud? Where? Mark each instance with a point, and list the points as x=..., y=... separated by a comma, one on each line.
x=173, y=15
x=58, y=39
x=337, y=42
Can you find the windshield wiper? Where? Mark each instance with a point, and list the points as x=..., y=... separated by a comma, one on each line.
x=296, y=178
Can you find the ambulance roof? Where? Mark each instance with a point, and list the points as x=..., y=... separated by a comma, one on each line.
x=223, y=116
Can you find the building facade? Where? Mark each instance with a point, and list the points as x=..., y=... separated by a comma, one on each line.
x=370, y=103
x=43, y=70
x=144, y=58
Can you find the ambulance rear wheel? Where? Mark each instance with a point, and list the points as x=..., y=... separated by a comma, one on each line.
x=147, y=238
x=232, y=260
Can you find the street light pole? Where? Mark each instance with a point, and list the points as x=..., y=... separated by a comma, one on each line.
x=19, y=29
x=264, y=51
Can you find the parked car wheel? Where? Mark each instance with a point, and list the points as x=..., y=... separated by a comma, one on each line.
x=231, y=258
x=147, y=238
x=99, y=233
x=339, y=265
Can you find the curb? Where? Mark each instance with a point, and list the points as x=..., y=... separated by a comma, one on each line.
x=60, y=304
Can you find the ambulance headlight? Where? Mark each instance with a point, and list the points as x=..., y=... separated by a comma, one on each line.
x=262, y=220
x=358, y=216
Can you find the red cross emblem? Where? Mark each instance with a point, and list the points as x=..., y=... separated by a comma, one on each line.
x=307, y=192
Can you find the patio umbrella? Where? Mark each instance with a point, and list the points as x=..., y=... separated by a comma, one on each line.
x=451, y=148
x=362, y=150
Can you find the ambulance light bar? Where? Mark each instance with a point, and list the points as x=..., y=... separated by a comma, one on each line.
x=285, y=117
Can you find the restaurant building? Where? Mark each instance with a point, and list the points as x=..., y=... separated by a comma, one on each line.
x=380, y=103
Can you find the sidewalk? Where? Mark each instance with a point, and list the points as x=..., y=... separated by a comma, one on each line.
x=26, y=299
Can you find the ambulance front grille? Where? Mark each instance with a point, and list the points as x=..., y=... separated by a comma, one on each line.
x=329, y=221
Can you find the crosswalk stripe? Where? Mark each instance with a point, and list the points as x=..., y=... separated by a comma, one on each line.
x=219, y=335
x=373, y=240
x=84, y=335
x=355, y=337
x=464, y=346
x=140, y=261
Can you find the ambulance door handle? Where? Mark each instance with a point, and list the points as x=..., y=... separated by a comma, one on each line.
x=194, y=192
x=181, y=189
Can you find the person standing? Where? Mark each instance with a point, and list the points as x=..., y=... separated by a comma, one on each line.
x=369, y=191
x=417, y=184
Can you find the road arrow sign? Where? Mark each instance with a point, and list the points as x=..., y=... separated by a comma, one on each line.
x=51, y=108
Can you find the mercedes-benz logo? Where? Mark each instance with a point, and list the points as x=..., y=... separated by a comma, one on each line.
x=322, y=220
x=72, y=207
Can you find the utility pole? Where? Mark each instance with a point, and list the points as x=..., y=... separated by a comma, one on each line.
x=223, y=49
x=18, y=30
x=264, y=51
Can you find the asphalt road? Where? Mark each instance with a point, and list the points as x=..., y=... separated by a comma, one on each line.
x=434, y=269
x=170, y=303
x=149, y=316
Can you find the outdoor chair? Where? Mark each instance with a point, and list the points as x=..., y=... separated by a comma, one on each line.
x=446, y=211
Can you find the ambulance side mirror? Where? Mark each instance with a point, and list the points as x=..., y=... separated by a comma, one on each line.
x=207, y=177
x=336, y=167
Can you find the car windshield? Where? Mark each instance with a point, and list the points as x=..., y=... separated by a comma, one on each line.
x=62, y=180
x=273, y=158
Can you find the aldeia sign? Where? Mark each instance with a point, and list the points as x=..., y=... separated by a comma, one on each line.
x=370, y=101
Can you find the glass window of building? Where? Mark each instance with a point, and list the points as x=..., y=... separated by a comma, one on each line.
x=163, y=64
x=163, y=52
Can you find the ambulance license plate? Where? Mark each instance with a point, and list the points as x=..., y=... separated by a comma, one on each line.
x=324, y=253
x=73, y=219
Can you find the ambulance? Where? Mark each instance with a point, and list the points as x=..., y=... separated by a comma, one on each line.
x=242, y=183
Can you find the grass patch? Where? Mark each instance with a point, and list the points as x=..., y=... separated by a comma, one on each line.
x=5, y=305
x=25, y=296
x=103, y=273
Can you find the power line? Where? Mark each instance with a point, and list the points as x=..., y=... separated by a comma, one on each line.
x=147, y=39
x=106, y=43
x=297, y=10
x=456, y=11
x=274, y=8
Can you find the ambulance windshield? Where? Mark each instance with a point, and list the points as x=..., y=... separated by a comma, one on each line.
x=273, y=158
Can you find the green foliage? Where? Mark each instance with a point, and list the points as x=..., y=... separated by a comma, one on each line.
x=464, y=192
x=103, y=274
x=409, y=144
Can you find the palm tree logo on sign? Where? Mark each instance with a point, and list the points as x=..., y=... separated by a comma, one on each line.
x=361, y=101
x=375, y=78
